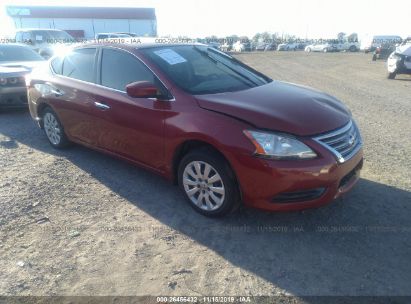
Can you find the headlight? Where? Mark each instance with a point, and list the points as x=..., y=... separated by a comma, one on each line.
x=13, y=80
x=279, y=146
x=47, y=90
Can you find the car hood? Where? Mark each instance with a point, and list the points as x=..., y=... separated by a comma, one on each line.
x=14, y=68
x=281, y=106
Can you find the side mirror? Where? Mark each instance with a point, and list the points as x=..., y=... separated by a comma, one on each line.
x=142, y=89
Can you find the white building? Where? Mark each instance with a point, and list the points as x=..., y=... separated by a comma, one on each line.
x=86, y=22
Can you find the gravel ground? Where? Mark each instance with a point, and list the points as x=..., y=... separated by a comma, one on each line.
x=76, y=222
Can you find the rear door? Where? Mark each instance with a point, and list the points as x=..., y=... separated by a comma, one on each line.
x=74, y=83
x=130, y=127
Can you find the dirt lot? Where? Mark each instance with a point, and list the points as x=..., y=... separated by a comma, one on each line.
x=77, y=222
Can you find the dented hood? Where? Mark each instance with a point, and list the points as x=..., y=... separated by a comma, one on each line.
x=281, y=106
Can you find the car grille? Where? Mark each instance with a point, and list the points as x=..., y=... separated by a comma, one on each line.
x=344, y=143
x=13, y=99
x=297, y=196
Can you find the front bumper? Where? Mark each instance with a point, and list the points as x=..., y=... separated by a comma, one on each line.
x=13, y=97
x=295, y=185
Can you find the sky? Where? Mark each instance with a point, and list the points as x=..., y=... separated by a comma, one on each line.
x=303, y=18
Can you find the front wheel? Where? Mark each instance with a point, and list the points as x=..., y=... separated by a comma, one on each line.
x=208, y=183
x=391, y=75
x=54, y=129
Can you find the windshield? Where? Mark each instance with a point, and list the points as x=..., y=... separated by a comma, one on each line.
x=18, y=53
x=200, y=69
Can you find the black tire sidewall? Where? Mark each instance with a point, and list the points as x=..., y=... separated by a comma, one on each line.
x=218, y=163
x=391, y=75
x=63, y=138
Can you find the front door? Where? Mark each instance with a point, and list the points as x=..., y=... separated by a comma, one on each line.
x=130, y=127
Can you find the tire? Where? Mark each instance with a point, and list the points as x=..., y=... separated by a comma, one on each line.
x=224, y=198
x=353, y=48
x=391, y=75
x=325, y=50
x=54, y=129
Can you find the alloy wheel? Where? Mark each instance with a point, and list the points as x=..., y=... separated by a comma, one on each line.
x=203, y=185
x=52, y=128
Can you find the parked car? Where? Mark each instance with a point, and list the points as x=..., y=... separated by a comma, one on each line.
x=399, y=62
x=214, y=44
x=128, y=34
x=291, y=46
x=261, y=46
x=383, y=51
x=301, y=45
x=370, y=43
x=242, y=46
x=111, y=35
x=44, y=41
x=270, y=47
x=348, y=43
x=225, y=47
x=321, y=47
x=223, y=131
x=16, y=61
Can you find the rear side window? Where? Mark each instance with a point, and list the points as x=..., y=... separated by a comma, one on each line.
x=57, y=65
x=79, y=64
x=119, y=68
x=19, y=37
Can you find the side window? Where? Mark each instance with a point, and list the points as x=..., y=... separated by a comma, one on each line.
x=57, y=65
x=79, y=64
x=120, y=68
x=19, y=37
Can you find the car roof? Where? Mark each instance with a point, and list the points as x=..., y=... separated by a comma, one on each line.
x=135, y=45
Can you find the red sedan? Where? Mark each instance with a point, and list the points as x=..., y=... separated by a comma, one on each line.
x=223, y=131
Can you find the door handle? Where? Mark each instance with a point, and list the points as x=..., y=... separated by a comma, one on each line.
x=101, y=105
x=57, y=92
